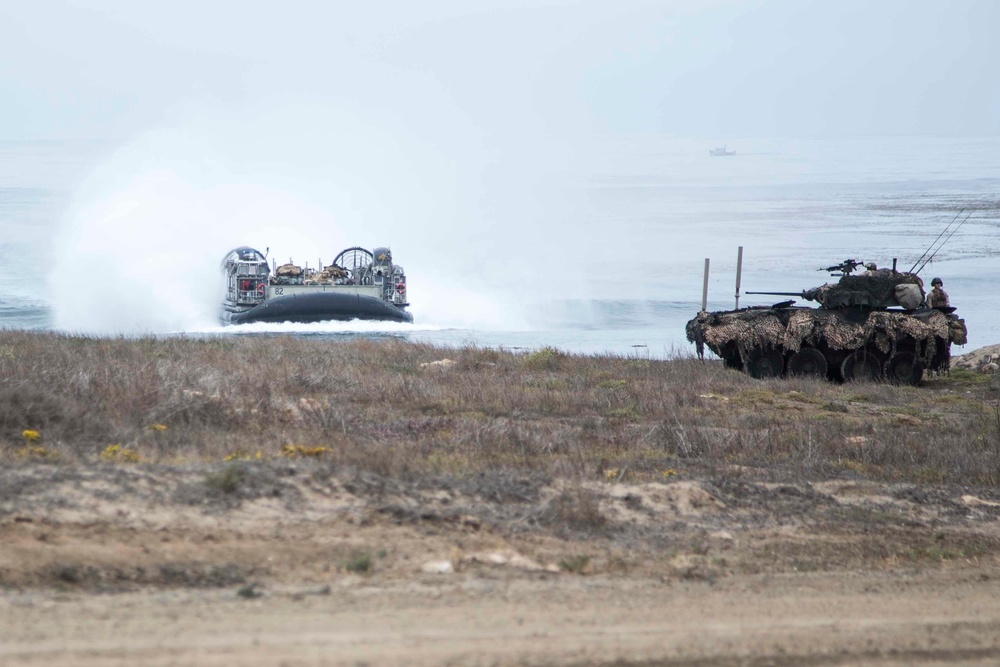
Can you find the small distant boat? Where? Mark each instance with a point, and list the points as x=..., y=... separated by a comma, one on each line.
x=722, y=151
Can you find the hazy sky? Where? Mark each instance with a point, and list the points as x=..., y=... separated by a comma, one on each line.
x=700, y=68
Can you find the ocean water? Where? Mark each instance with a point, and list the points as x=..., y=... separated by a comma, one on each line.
x=617, y=270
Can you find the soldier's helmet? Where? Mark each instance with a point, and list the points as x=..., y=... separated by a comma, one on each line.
x=936, y=281
x=871, y=266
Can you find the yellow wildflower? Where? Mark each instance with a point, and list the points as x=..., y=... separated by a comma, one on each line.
x=36, y=452
x=117, y=454
x=296, y=451
x=669, y=472
x=111, y=452
x=31, y=435
x=159, y=427
x=239, y=455
x=129, y=456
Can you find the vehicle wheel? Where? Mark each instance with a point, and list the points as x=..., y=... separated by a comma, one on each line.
x=861, y=365
x=904, y=368
x=765, y=364
x=808, y=362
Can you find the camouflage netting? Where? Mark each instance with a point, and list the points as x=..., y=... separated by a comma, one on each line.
x=751, y=328
x=789, y=330
x=876, y=290
x=327, y=276
x=333, y=271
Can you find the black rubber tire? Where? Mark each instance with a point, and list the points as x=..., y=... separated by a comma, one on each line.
x=861, y=365
x=808, y=362
x=765, y=364
x=904, y=368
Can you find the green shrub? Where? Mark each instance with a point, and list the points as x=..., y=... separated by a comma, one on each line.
x=360, y=563
x=544, y=359
x=574, y=564
x=227, y=480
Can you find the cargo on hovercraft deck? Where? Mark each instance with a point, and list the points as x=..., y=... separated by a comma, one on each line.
x=359, y=284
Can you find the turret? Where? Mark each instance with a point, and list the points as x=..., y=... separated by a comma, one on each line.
x=875, y=289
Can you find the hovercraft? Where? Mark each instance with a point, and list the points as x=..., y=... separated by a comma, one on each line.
x=358, y=285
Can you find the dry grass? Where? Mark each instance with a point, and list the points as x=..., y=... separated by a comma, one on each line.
x=370, y=404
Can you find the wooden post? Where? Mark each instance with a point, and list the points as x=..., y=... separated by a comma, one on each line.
x=739, y=274
x=704, y=289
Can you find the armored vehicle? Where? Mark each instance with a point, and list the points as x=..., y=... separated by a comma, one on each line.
x=360, y=284
x=867, y=326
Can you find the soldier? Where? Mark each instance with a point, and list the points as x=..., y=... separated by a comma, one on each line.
x=937, y=298
x=873, y=270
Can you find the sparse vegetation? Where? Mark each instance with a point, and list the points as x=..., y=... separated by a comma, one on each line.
x=359, y=563
x=36, y=453
x=227, y=480
x=299, y=451
x=575, y=564
x=372, y=405
x=248, y=591
x=289, y=467
x=546, y=358
x=118, y=454
x=578, y=508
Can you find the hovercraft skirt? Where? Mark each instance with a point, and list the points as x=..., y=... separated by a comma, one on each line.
x=318, y=307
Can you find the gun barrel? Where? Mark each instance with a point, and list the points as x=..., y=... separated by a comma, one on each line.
x=798, y=294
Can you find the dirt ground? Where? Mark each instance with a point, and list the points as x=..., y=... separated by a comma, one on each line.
x=301, y=563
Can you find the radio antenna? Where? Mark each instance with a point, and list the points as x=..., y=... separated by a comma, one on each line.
x=945, y=241
x=943, y=231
